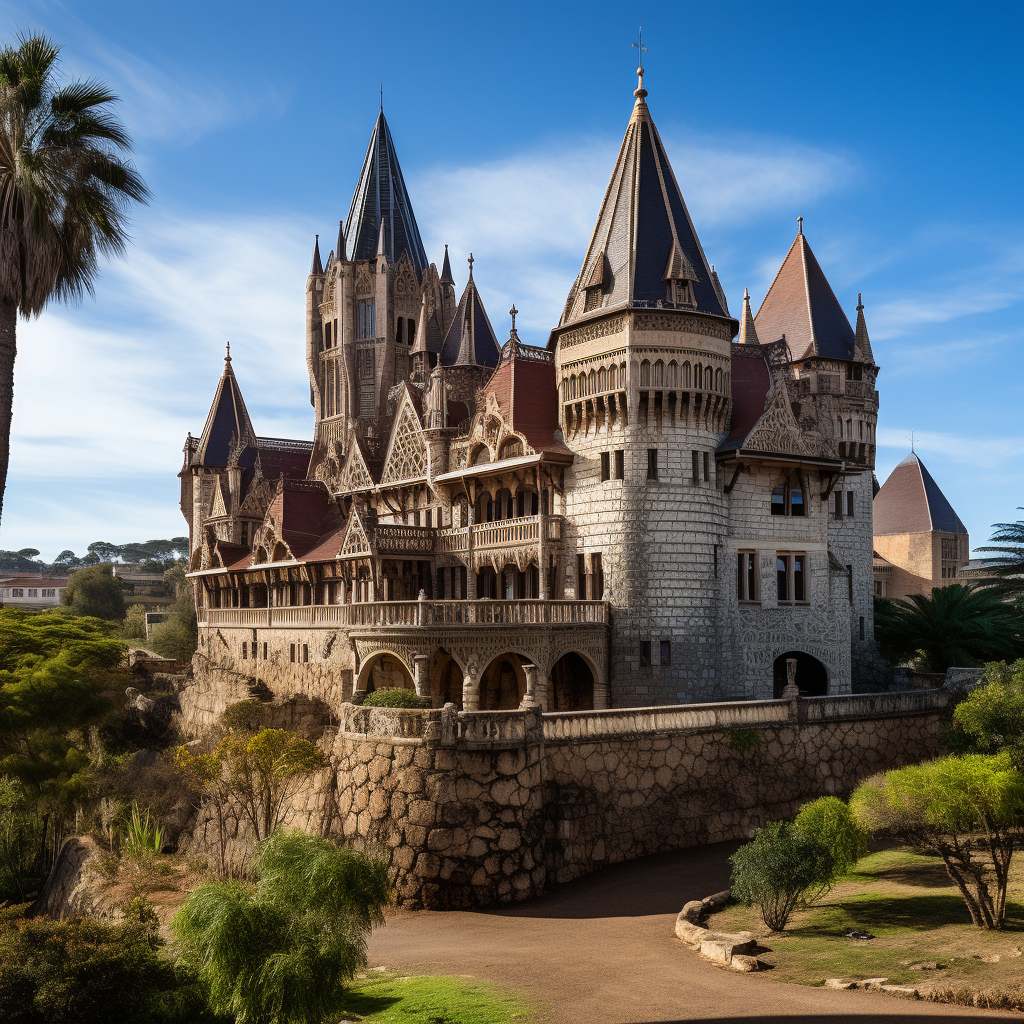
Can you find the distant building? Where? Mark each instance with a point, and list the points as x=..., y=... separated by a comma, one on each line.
x=920, y=542
x=32, y=591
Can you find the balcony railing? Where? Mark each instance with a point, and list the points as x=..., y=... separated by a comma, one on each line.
x=412, y=613
x=500, y=534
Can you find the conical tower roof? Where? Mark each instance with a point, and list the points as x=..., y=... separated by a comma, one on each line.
x=910, y=501
x=802, y=305
x=748, y=332
x=470, y=340
x=381, y=217
x=644, y=235
x=862, y=344
x=227, y=424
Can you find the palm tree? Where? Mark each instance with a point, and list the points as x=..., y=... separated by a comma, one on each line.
x=65, y=188
x=956, y=625
x=1008, y=565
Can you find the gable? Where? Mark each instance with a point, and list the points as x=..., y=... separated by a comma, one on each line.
x=219, y=505
x=355, y=476
x=777, y=430
x=407, y=451
x=355, y=544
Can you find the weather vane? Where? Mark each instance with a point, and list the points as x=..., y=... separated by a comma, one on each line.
x=640, y=46
x=512, y=312
x=911, y=440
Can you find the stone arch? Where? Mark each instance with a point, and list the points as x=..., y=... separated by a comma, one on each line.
x=645, y=374
x=447, y=675
x=480, y=456
x=280, y=552
x=708, y=379
x=658, y=380
x=811, y=674
x=391, y=670
x=571, y=683
x=503, y=683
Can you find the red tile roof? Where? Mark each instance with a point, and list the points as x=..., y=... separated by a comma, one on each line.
x=910, y=501
x=751, y=382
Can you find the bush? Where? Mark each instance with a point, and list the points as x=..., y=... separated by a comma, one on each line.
x=95, y=591
x=134, y=625
x=395, y=698
x=281, y=950
x=178, y=636
x=991, y=717
x=789, y=865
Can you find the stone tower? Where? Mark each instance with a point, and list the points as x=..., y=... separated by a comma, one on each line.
x=642, y=355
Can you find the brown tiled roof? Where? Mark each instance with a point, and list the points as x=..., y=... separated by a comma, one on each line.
x=802, y=306
x=910, y=501
x=34, y=581
x=751, y=381
x=302, y=514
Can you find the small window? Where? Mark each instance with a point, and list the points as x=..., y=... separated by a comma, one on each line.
x=645, y=653
x=620, y=465
x=849, y=503
x=695, y=467
x=645, y=374
x=796, y=501
x=879, y=588
x=862, y=627
x=652, y=463
x=33, y=592
x=666, y=652
x=782, y=576
x=265, y=650
x=597, y=572
x=17, y=592
x=291, y=651
x=305, y=652
x=581, y=578
x=798, y=578
x=707, y=468
x=366, y=323
x=838, y=499
x=746, y=575
x=606, y=471
x=245, y=650
x=593, y=299
x=779, y=500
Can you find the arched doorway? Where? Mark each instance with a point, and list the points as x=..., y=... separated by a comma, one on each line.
x=502, y=684
x=811, y=675
x=445, y=680
x=572, y=684
x=385, y=672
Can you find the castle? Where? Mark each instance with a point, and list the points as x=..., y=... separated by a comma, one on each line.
x=667, y=504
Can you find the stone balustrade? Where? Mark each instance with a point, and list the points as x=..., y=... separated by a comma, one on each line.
x=482, y=612
x=480, y=730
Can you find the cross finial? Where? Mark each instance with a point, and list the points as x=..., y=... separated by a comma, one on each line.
x=227, y=357
x=860, y=302
x=799, y=225
x=640, y=91
x=911, y=440
x=512, y=313
x=471, y=261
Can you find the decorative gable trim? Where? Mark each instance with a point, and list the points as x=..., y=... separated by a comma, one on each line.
x=355, y=476
x=355, y=543
x=219, y=509
x=407, y=450
x=777, y=430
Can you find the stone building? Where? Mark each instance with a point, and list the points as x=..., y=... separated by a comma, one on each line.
x=920, y=542
x=664, y=504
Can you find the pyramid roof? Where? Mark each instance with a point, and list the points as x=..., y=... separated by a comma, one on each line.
x=802, y=306
x=644, y=234
x=227, y=422
x=381, y=220
x=470, y=340
x=910, y=501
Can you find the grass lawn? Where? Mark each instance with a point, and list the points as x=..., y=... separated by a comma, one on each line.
x=923, y=932
x=391, y=999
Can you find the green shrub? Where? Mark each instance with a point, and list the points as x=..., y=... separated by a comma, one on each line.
x=245, y=716
x=743, y=739
x=831, y=824
x=280, y=951
x=134, y=625
x=95, y=591
x=395, y=698
x=178, y=636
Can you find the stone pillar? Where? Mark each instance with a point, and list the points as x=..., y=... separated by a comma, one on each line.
x=791, y=692
x=421, y=608
x=470, y=573
x=421, y=673
x=530, y=699
x=542, y=529
x=471, y=690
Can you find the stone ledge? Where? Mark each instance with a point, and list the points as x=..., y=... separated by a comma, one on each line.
x=722, y=948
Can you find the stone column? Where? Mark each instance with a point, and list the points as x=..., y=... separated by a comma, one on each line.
x=530, y=697
x=600, y=694
x=471, y=690
x=421, y=674
x=470, y=573
x=791, y=692
x=542, y=529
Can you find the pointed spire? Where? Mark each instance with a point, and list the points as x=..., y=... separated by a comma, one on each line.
x=471, y=261
x=470, y=340
x=446, y=269
x=228, y=428
x=802, y=306
x=339, y=249
x=910, y=501
x=381, y=220
x=861, y=344
x=748, y=333
x=643, y=231
x=318, y=267
x=420, y=342
x=719, y=290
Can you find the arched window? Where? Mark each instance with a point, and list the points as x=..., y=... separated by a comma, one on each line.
x=602, y=379
x=686, y=382
x=659, y=374
x=788, y=498
x=718, y=380
x=839, y=428
x=591, y=383
x=645, y=374
x=698, y=376
x=572, y=387
x=849, y=428
x=583, y=385
x=611, y=377
x=708, y=378
x=673, y=374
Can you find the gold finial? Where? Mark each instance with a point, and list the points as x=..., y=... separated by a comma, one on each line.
x=640, y=92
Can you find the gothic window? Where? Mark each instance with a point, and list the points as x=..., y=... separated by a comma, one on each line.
x=366, y=323
x=673, y=374
x=718, y=381
x=572, y=387
x=698, y=376
x=622, y=376
x=747, y=576
x=685, y=382
x=708, y=378
x=849, y=428
x=645, y=374
x=583, y=385
x=839, y=428
x=591, y=382
x=602, y=380
x=659, y=374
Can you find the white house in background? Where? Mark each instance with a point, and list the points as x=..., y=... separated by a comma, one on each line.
x=32, y=591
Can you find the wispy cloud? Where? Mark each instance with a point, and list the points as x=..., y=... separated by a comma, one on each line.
x=991, y=453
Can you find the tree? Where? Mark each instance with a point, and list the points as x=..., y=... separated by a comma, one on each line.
x=966, y=809
x=66, y=557
x=991, y=717
x=95, y=591
x=65, y=187
x=28, y=552
x=178, y=636
x=280, y=951
x=104, y=550
x=956, y=625
x=1007, y=565
x=134, y=625
x=791, y=864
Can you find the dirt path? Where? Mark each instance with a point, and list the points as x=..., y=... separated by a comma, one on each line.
x=602, y=951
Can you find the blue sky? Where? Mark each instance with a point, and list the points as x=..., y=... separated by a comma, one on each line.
x=894, y=129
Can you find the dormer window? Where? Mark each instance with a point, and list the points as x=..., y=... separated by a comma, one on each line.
x=788, y=498
x=593, y=299
x=680, y=293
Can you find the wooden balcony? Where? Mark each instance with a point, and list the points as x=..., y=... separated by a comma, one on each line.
x=416, y=614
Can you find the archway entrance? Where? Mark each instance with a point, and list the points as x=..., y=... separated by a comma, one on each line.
x=445, y=680
x=386, y=672
x=572, y=685
x=811, y=675
x=502, y=684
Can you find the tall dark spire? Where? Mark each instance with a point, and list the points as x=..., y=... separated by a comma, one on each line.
x=318, y=267
x=227, y=424
x=861, y=343
x=446, y=269
x=339, y=252
x=470, y=340
x=802, y=306
x=381, y=216
x=644, y=238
